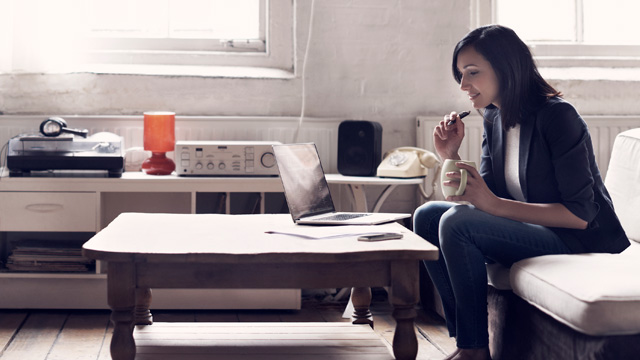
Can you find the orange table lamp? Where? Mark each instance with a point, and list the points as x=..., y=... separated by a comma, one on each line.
x=159, y=138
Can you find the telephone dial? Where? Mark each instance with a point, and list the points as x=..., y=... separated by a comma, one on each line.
x=410, y=162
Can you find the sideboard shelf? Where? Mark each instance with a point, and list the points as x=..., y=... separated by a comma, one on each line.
x=53, y=208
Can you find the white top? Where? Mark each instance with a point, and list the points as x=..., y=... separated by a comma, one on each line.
x=139, y=181
x=247, y=238
x=511, y=163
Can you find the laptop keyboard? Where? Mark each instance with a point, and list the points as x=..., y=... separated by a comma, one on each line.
x=341, y=217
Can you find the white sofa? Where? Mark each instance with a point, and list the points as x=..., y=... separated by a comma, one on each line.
x=584, y=306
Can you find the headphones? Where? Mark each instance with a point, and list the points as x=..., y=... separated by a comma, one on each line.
x=54, y=126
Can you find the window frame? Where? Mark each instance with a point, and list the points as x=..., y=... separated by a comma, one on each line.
x=564, y=54
x=274, y=50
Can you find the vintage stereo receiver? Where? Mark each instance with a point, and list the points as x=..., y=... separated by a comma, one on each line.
x=225, y=158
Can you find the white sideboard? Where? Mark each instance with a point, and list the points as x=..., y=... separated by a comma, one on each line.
x=75, y=208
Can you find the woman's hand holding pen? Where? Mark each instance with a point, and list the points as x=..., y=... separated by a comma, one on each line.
x=448, y=135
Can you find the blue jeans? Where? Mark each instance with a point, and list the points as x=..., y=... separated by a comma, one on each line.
x=468, y=238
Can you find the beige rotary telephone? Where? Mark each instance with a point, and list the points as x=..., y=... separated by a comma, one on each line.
x=407, y=162
x=410, y=162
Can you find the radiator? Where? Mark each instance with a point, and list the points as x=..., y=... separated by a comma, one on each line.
x=603, y=131
x=323, y=132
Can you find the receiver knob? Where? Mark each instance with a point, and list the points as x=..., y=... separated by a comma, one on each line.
x=268, y=160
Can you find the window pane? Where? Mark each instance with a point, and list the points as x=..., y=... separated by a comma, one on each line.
x=541, y=20
x=237, y=19
x=195, y=19
x=611, y=22
x=127, y=18
x=216, y=19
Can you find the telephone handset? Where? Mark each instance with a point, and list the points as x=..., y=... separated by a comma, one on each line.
x=407, y=162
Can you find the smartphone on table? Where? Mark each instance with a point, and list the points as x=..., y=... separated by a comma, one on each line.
x=380, y=237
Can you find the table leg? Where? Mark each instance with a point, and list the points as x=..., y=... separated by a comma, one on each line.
x=405, y=290
x=383, y=196
x=359, y=197
x=361, y=299
x=122, y=297
x=142, y=313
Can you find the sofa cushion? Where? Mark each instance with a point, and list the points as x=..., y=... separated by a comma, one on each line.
x=623, y=180
x=498, y=276
x=596, y=294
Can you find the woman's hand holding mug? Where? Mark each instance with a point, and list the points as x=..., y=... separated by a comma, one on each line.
x=449, y=187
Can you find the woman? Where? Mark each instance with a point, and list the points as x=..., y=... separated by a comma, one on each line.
x=538, y=190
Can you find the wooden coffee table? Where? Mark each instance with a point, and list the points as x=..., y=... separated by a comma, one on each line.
x=146, y=251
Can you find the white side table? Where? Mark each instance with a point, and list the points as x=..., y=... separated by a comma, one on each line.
x=357, y=185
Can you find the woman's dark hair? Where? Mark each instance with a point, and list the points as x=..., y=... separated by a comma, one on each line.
x=521, y=87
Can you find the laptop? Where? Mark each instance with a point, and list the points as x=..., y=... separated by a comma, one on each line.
x=307, y=192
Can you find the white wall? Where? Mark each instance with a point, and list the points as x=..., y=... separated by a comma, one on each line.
x=381, y=60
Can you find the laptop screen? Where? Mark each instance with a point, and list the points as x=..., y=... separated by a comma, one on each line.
x=305, y=187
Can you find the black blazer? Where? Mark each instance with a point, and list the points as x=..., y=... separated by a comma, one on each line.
x=556, y=165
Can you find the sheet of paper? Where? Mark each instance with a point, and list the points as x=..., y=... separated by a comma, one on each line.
x=329, y=232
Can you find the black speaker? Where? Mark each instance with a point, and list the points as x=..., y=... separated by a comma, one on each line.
x=359, y=147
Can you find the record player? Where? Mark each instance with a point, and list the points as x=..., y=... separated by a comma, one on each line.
x=103, y=152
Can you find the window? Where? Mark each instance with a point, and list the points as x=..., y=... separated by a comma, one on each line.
x=137, y=34
x=572, y=32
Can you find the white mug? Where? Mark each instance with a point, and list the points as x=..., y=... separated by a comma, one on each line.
x=449, y=165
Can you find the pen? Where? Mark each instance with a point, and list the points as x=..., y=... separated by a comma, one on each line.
x=462, y=115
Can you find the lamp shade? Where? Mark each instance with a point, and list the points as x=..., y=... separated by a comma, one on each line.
x=159, y=138
x=159, y=131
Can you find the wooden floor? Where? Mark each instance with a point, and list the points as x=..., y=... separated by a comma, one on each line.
x=82, y=334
